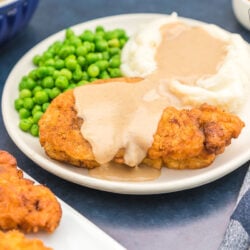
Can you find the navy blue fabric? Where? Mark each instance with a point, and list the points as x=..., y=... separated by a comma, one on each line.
x=242, y=212
x=189, y=219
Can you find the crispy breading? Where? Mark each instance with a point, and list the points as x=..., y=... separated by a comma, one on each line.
x=192, y=138
x=187, y=138
x=15, y=240
x=24, y=205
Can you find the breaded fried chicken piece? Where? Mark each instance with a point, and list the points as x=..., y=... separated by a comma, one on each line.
x=184, y=138
x=192, y=138
x=23, y=205
x=15, y=240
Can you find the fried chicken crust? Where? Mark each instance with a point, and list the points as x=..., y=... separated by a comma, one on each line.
x=24, y=205
x=15, y=240
x=187, y=138
x=192, y=138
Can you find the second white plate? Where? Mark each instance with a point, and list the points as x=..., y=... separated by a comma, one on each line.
x=74, y=232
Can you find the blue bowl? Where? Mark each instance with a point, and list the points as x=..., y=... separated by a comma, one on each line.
x=14, y=15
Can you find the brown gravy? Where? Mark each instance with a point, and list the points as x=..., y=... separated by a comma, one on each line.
x=120, y=172
x=118, y=115
x=188, y=53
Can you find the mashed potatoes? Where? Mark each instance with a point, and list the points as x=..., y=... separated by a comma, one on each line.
x=227, y=88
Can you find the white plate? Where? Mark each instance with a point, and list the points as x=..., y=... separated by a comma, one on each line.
x=76, y=232
x=169, y=181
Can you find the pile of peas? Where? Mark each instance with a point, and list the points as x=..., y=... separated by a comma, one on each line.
x=75, y=61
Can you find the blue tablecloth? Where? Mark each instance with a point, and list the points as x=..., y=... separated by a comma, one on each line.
x=191, y=219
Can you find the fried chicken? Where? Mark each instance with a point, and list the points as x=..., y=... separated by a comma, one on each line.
x=15, y=240
x=24, y=205
x=187, y=138
x=192, y=138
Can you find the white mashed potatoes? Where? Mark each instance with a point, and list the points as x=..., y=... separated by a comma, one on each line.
x=227, y=88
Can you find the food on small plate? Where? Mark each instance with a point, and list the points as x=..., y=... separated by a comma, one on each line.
x=15, y=240
x=24, y=205
x=185, y=84
x=186, y=138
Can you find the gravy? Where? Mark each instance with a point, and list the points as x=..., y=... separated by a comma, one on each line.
x=119, y=115
x=120, y=172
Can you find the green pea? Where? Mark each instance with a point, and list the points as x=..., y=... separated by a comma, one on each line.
x=36, y=59
x=92, y=47
x=59, y=63
x=54, y=92
x=43, y=71
x=114, y=51
x=36, y=108
x=24, y=113
x=122, y=42
x=56, y=73
x=93, y=70
x=115, y=62
x=69, y=33
x=37, y=115
x=66, y=73
x=88, y=46
x=28, y=103
x=105, y=55
x=104, y=75
x=115, y=72
x=71, y=86
x=47, y=90
x=81, y=61
x=109, y=35
x=85, y=76
x=99, y=28
x=51, y=70
x=87, y=35
x=18, y=103
x=62, y=82
x=77, y=74
x=45, y=106
x=82, y=82
x=41, y=97
x=92, y=79
x=34, y=130
x=71, y=63
x=25, y=93
x=99, y=37
x=56, y=46
x=50, y=62
x=25, y=124
x=102, y=64
x=66, y=50
x=75, y=41
x=48, y=82
x=93, y=57
x=82, y=50
x=22, y=85
x=36, y=89
x=33, y=75
x=72, y=56
x=120, y=33
x=30, y=83
x=101, y=45
x=47, y=55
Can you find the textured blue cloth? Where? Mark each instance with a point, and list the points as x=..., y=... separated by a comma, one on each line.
x=237, y=236
x=242, y=212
